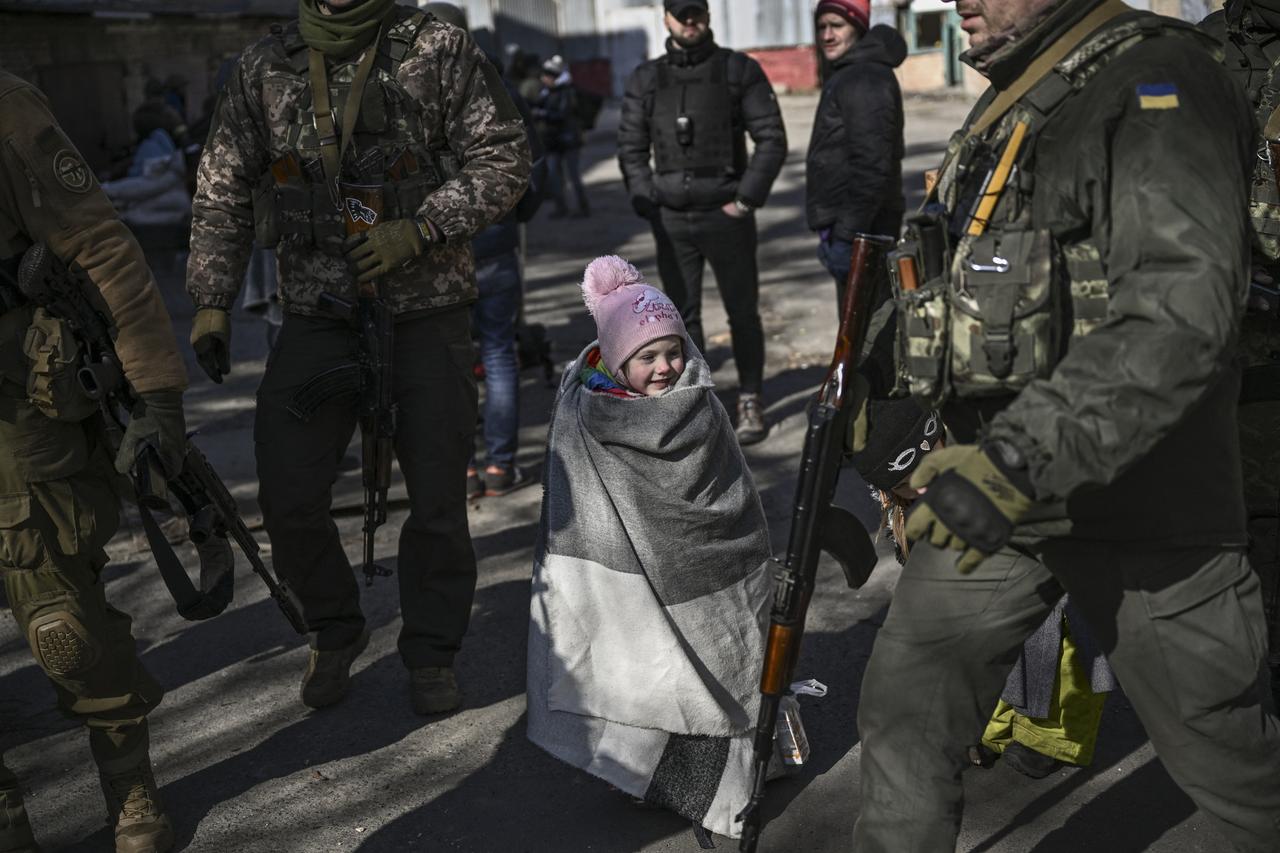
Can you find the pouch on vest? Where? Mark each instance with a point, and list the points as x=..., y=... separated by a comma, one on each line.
x=1264, y=194
x=918, y=277
x=1004, y=286
x=55, y=355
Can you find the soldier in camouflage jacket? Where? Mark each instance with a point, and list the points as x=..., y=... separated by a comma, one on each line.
x=429, y=152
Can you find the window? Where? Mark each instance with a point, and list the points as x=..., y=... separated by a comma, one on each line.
x=928, y=31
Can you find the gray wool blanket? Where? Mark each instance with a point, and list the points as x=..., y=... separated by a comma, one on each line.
x=650, y=596
x=1033, y=681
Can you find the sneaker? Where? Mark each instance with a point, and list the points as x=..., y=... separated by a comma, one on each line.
x=328, y=675
x=751, y=426
x=134, y=809
x=475, y=486
x=499, y=481
x=433, y=690
x=1028, y=762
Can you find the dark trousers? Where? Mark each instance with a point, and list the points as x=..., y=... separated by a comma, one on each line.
x=298, y=463
x=1183, y=631
x=688, y=239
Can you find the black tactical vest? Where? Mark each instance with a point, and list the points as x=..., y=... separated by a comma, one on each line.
x=388, y=148
x=692, y=119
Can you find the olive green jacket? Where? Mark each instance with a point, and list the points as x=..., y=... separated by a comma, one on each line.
x=1133, y=435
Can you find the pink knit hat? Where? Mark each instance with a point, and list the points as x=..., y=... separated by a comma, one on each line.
x=628, y=311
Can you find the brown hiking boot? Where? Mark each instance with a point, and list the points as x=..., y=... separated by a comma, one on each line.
x=133, y=806
x=433, y=690
x=751, y=427
x=328, y=675
x=15, y=831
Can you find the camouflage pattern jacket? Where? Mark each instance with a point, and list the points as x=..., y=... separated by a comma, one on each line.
x=442, y=87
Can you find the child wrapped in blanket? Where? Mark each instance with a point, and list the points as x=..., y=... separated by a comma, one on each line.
x=650, y=584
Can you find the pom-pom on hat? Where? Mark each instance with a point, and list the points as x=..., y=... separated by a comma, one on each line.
x=629, y=312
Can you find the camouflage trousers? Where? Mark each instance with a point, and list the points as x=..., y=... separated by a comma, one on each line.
x=1260, y=454
x=52, y=533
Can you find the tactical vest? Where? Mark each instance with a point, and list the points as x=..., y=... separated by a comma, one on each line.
x=1264, y=195
x=692, y=119
x=994, y=311
x=388, y=167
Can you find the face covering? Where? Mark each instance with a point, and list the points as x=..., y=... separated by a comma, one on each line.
x=345, y=32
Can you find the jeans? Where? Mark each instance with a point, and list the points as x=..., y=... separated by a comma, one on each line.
x=689, y=239
x=494, y=319
x=561, y=164
x=836, y=255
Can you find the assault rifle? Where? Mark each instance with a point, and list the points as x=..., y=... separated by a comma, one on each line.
x=370, y=378
x=816, y=524
x=46, y=281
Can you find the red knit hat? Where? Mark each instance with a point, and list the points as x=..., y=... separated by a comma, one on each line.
x=856, y=12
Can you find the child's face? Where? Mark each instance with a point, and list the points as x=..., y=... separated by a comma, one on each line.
x=656, y=366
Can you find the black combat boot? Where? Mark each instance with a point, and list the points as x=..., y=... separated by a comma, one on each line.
x=433, y=690
x=328, y=675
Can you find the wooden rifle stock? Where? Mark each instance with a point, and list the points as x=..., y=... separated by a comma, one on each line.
x=821, y=459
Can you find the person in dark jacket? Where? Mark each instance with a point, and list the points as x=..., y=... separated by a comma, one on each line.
x=1105, y=465
x=692, y=110
x=556, y=112
x=853, y=171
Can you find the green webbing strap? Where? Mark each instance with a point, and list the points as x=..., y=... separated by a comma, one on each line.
x=1039, y=69
x=332, y=150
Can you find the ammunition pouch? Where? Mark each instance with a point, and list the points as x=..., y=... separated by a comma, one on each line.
x=985, y=323
x=303, y=210
x=1003, y=294
x=55, y=355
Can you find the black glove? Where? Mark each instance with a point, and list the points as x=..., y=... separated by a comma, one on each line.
x=157, y=422
x=211, y=340
x=645, y=207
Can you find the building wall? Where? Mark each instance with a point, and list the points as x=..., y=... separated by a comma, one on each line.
x=94, y=69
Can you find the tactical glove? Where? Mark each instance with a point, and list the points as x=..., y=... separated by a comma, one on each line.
x=645, y=207
x=969, y=504
x=156, y=422
x=211, y=339
x=386, y=247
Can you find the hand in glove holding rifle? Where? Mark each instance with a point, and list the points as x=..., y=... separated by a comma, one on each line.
x=388, y=246
x=156, y=422
x=973, y=497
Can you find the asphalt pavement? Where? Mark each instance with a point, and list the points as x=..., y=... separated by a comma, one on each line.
x=245, y=767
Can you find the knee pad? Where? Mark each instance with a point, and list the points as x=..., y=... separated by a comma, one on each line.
x=62, y=645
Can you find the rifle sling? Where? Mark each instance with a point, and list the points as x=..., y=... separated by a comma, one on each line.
x=1037, y=70
x=192, y=605
x=333, y=149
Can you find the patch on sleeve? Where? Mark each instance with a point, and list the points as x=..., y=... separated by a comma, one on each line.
x=1157, y=96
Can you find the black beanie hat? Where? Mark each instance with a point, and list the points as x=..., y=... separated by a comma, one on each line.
x=900, y=433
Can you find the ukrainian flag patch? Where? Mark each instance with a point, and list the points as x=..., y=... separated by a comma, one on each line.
x=1157, y=96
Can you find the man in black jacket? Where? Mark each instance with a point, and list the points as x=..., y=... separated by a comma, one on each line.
x=692, y=109
x=853, y=170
